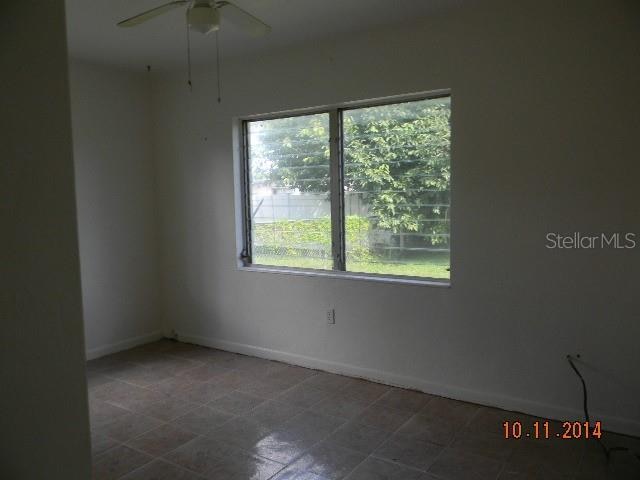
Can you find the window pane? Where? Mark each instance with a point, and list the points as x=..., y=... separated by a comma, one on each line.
x=397, y=188
x=289, y=190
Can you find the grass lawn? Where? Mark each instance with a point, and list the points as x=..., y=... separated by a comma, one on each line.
x=433, y=265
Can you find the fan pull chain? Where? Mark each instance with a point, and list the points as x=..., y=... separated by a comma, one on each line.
x=189, y=58
x=218, y=64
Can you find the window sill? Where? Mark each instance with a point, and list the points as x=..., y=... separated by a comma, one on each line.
x=370, y=277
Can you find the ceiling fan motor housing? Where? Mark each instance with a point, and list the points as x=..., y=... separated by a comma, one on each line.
x=203, y=17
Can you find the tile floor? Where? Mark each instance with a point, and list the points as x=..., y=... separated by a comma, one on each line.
x=170, y=410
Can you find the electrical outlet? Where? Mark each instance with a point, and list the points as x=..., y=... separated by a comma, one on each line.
x=331, y=316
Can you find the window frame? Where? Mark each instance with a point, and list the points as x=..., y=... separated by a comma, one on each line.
x=336, y=182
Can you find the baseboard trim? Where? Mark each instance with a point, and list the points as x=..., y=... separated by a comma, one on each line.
x=610, y=423
x=125, y=344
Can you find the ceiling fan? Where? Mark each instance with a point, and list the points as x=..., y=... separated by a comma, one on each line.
x=204, y=16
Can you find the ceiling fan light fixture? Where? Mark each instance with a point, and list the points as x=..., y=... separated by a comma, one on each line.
x=203, y=18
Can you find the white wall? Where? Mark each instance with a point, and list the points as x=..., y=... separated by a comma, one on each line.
x=44, y=427
x=545, y=139
x=115, y=187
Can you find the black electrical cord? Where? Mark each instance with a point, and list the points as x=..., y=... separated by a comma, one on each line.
x=607, y=451
x=189, y=56
x=218, y=65
x=584, y=388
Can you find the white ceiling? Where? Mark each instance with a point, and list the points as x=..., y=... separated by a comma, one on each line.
x=161, y=42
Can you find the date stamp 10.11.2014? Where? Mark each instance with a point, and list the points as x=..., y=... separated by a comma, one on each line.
x=542, y=430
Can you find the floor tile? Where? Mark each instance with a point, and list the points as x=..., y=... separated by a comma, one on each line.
x=302, y=396
x=126, y=395
x=359, y=437
x=404, y=400
x=341, y=406
x=95, y=380
x=203, y=373
x=327, y=381
x=289, y=376
x=102, y=413
x=103, y=363
x=161, y=470
x=238, y=417
x=128, y=426
x=282, y=446
x=202, y=420
x=314, y=425
x=330, y=461
x=116, y=390
x=171, y=364
x=428, y=429
x=161, y=440
x=610, y=473
x=453, y=411
x=542, y=475
x=409, y=452
x=365, y=391
x=261, y=388
x=290, y=473
x=384, y=418
x=273, y=413
x=267, y=368
x=173, y=386
x=168, y=409
x=236, y=403
x=192, y=352
x=456, y=464
x=530, y=457
x=200, y=454
x=140, y=376
x=241, y=466
x=101, y=443
x=202, y=393
x=486, y=444
x=241, y=432
x=248, y=364
x=117, y=462
x=221, y=358
x=376, y=469
x=234, y=379
x=295, y=437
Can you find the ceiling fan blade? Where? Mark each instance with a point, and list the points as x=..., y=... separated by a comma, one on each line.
x=149, y=14
x=243, y=19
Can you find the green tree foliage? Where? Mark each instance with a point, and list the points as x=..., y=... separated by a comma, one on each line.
x=292, y=153
x=397, y=157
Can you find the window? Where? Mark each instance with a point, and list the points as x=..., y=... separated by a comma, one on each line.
x=363, y=189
